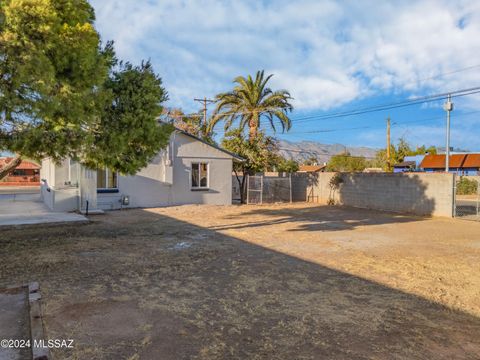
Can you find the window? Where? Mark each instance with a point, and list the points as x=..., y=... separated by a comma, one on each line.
x=73, y=172
x=199, y=176
x=19, y=172
x=106, y=179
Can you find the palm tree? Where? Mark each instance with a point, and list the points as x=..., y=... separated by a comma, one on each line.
x=249, y=102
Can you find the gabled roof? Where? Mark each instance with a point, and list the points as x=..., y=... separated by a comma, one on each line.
x=235, y=156
x=405, y=164
x=24, y=165
x=456, y=161
x=311, y=168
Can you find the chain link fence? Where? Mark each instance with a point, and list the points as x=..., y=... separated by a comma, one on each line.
x=269, y=189
x=467, y=197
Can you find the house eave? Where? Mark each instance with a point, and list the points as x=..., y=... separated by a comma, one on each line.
x=234, y=156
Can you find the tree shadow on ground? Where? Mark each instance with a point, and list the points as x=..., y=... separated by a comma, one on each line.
x=315, y=218
x=140, y=283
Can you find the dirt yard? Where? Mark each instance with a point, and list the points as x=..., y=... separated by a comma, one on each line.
x=254, y=282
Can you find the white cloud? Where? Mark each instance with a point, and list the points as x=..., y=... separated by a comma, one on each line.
x=326, y=53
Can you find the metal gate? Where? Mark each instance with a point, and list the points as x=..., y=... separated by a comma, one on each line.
x=254, y=189
x=269, y=189
x=467, y=197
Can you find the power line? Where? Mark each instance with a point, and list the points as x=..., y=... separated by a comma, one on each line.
x=444, y=95
x=397, y=122
x=418, y=100
x=375, y=108
x=388, y=106
x=205, y=101
x=448, y=73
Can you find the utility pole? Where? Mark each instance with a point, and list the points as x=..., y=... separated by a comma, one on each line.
x=205, y=101
x=448, y=107
x=388, y=144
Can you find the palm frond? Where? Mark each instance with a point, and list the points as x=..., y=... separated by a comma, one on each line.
x=250, y=101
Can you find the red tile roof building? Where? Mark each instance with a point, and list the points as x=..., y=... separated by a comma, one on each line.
x=463, y=164
x=311, y=168
x=27, y=173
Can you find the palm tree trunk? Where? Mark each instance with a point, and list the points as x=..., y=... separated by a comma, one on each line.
x=253, y=127
x=8, y=168
x=252, y=133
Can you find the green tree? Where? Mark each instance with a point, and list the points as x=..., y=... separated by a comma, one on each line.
x=52, y=69
x=257, y=154
x=249, y=102
x=425, y=150
x=129, y=134
x=398, y=154
x=346, y=163
x=286, y=165
x=466, y=186
x=58, y=92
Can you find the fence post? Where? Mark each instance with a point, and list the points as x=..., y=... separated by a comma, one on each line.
x=248, y=186
x=454, y=204
x=261, y=190
x=478, y=197
x=290, y=181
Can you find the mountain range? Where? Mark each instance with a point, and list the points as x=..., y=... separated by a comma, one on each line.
x=303, y=150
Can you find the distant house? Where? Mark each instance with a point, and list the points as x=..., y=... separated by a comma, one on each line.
x=404, y=166
x=409, y=163
x=312, y=168
x=27, y=173
x=188, y=171
x=460, y=164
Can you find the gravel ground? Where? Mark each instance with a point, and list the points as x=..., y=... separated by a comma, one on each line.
x=255, y=282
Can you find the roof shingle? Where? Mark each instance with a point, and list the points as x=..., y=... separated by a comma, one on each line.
x=456, y=161
x=311, y=168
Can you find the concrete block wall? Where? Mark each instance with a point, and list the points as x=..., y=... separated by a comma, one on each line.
x=413, y=193
x=315, y=184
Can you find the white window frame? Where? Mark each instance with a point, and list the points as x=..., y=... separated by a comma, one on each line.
x=199, y=188
x=71, y=163
x=106, y=170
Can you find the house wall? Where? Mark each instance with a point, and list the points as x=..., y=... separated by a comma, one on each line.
x=47, y=171
x=165, y=181
x=61, y=174
x=458, y=171
x=152, y=186
x=415, y=193
x=54, y=188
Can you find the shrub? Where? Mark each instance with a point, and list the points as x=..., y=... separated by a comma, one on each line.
x=467, y=186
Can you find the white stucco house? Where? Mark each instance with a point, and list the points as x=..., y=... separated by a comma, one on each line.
x=188, y=171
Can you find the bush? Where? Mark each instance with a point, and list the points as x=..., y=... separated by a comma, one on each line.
x=466, y=186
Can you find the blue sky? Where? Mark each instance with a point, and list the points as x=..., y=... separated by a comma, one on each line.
x=332, y=56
